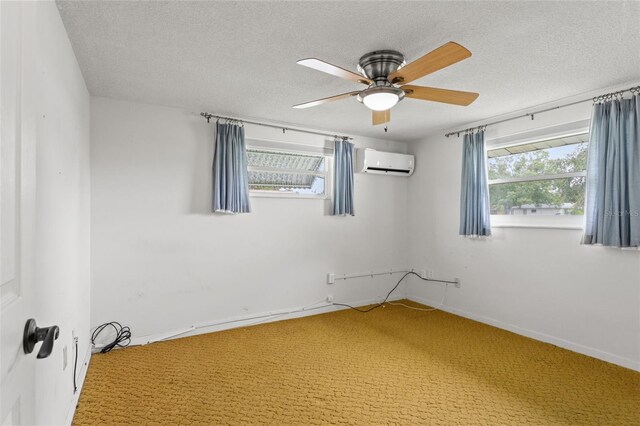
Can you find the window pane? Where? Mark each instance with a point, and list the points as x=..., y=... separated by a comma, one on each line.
x=555, y=156
x=292, y=183
x=544, y=197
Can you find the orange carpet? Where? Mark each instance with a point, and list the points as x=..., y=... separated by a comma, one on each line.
x=390, y=366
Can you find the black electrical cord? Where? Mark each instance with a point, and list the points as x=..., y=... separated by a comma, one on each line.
x=75, y=367
x=122, y=339
x=388, y=294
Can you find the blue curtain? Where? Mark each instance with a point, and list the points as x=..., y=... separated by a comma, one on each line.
x=612, y=208
x=343, y=178
x=230, y=177
x=474, y=193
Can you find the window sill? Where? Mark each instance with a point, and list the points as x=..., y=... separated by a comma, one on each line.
x=296, y=196
x=539, y=226
x=568, y=222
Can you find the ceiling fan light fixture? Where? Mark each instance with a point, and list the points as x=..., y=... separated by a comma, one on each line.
x=387, y=75
x=380, y=98
x=380, y=101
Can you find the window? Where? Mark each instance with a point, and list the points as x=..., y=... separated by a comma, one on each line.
x=543, y=178
x=276, y=172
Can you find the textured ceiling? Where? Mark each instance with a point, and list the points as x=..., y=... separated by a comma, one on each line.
x=239, y=58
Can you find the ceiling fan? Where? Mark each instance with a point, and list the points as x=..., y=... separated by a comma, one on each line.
x=386, y=75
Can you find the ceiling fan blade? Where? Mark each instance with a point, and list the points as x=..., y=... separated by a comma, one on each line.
x=439, y=95
x=323, y=66
x=443, y=56
x=380, y=117
x=325, y=100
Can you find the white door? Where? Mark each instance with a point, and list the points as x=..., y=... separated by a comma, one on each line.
x=17, y=180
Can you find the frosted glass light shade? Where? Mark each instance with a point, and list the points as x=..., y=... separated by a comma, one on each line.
x=380, y=101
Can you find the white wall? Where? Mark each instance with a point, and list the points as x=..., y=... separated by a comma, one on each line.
x=162, y=262
x=55, y=112
x=537, y=282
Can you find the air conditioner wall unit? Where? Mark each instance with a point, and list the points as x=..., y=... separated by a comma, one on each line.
x=385, y=163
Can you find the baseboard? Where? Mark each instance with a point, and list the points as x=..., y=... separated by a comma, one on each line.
x=84, y=367
x=253, y=319
x=566, y=344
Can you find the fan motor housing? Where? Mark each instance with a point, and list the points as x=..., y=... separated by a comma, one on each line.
x=379, y=64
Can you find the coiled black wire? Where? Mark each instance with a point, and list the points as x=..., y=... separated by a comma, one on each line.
x=122, y=339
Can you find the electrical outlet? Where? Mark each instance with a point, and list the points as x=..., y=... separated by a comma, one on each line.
x=457, y=284
x=331, y=278
x=430, y=274
x=330, y=298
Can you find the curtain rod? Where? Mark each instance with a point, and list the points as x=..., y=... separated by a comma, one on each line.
x=209, y=116
x=600, y=98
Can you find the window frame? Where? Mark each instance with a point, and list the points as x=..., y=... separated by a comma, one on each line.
x=574, y=222
x=283, y=148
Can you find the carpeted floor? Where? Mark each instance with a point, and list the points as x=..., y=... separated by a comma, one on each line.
x=390, y=366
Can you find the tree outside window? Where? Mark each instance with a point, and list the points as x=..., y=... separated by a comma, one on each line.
x=542, y=178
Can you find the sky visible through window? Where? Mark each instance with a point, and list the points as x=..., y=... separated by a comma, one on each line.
x=561, y=151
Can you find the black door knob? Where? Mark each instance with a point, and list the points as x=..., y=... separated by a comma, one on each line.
x=34, y=334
